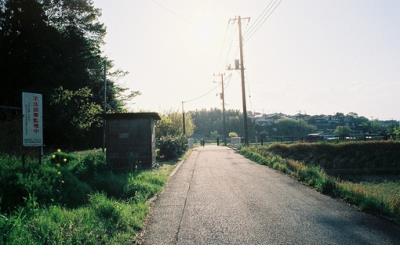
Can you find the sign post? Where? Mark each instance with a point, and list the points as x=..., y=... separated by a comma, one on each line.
x=32, y=121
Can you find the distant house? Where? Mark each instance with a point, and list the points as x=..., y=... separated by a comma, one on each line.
x=314, y=137
x=267, y=119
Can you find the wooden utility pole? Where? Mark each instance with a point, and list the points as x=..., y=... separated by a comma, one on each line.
x=222, y=75
x=183, y=119
x=242, y=69
x=105, y=106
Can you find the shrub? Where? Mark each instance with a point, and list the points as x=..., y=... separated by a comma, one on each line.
x=12, y=193
x=63, y=178
x=60, y=158
x=172, y=147
x=326, y=186
x=17, y=183
x=89, y=165
x=106, y=210
x=58, y=204
x=72, y=191
x=110, y=183
x=233, y=134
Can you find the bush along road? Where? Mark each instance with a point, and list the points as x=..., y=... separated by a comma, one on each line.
x=72, y=198
x=220, y=197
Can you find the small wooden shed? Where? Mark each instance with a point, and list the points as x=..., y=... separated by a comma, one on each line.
x=130, y=140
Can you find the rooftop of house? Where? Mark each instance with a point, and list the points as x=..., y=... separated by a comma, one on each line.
x=130, y=116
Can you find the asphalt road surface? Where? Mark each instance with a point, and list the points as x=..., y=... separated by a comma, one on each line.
x=219, y=197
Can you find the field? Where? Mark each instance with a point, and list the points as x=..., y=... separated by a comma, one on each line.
x=348, y=158
x=72, y=198
x=373, y=184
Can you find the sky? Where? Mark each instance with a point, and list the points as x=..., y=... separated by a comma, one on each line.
x=314, y=57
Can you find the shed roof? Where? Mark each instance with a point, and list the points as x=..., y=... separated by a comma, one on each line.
x=130, y=116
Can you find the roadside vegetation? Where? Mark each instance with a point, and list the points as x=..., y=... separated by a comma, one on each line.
x=377, y=193
x=72, y=198
x=345, y=158
x=172, y=142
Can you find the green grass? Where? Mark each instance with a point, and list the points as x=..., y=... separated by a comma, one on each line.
x=379, y=197
x=101, y=221
x=75, y=201
x=382, y=198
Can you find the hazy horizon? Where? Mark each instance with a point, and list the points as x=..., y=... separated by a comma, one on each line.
x=315, y=57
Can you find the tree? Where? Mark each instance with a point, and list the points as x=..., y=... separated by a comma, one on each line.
x=208, y=121
x=342, y=131
x=171, y=125
x=233, y=134
x=396, y=133
x=287, y=127
x=54, y=47
x=169, y=133
x=214, y=135
x=2, y=9
x=29, y=49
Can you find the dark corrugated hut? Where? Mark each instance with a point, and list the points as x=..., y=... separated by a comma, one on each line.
x=130, y=140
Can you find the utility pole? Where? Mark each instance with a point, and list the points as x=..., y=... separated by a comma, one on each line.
x=242, y=68
x=183, y=119
x=223, y=106
x=105, y=106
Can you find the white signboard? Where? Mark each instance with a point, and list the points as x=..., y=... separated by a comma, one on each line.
x=32, y=121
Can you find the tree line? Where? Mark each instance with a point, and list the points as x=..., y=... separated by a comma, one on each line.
x=53, y=47
x=208, y=124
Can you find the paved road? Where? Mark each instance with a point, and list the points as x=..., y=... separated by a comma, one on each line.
x=219, y=197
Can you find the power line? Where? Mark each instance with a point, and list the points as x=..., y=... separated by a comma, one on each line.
x=173, y=12
x=201, y=96
x=228, y=81
x=225, y=53
x=266, y=17
x=250, y=96
x=259, y=18
x=223, y=44
x=229, y=51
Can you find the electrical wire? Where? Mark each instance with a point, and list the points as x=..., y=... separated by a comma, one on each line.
x=228, y=82
x=210, y=91
x=223, y=45
x=173, y=12
x=225, y=53
x=253, y=32
x=259, y=18
x=259, y=21
x=249, y=92
x=201, y=96
x=229, y=51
